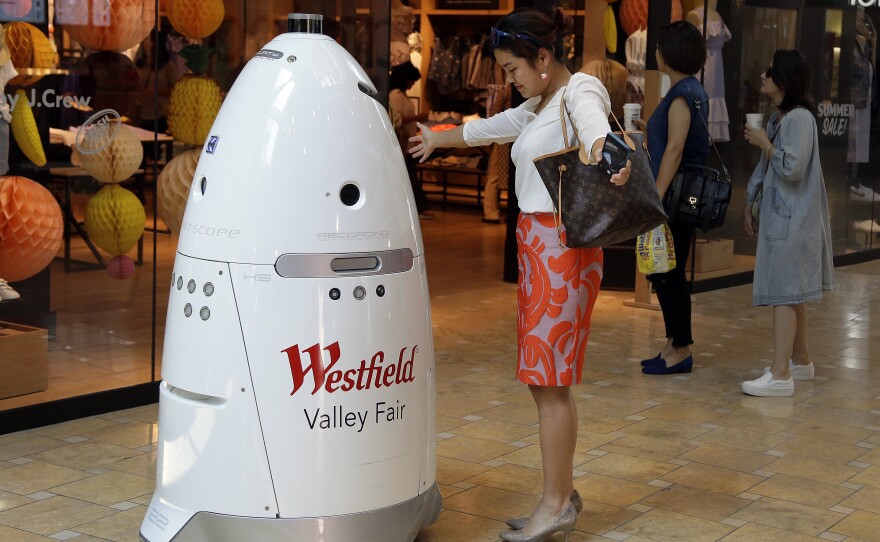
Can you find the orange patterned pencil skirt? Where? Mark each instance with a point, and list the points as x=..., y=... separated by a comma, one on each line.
x=557, y=291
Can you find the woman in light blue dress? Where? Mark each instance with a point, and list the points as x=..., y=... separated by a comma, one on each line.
x=793, y=263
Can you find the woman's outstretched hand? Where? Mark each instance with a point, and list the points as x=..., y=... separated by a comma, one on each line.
x=424, y=141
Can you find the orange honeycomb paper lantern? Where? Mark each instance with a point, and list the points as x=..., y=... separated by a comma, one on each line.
x=690, y=5
x=28, y=48
x=196, y=18
x=30, y=228
x=613, y=76
x=173, y=188
x=634, y=14
x=106, y=25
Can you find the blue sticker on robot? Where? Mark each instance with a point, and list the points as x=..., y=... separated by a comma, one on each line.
x=212, y=144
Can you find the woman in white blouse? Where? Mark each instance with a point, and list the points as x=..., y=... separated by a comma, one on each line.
x=557, y=287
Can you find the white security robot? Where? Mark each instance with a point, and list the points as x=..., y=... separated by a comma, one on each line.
x=297, y=400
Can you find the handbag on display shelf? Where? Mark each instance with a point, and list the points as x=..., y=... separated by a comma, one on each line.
x=594, y=211
x=698, y=196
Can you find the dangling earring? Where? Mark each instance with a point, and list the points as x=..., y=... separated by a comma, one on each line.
x=544, y=75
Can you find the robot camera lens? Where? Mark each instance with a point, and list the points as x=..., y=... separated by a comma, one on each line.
x=360, y=292
x=380, y=290
x=350, y=194
x=191, y=286
x=188, y=310
x=179, y=283
x=335, y=294
x=208, y=289
x=205, y=313
x=204, y=185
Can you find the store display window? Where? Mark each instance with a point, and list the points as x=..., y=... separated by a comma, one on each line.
x=839, y=40
x=105, y=110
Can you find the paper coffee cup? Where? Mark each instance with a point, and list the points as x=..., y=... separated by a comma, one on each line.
x=630, y=113
x=755, y=120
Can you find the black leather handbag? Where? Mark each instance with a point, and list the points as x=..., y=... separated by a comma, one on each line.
x=594, y=211
x=698, y=196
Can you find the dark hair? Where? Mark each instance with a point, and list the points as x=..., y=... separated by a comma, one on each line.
x=403, y=75
x=791, y=73
x=545, y=29
x=682, y=47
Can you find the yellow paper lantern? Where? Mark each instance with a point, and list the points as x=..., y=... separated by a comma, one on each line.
x=25, y=132
x=193, y=107
x=196, y=18
x=107, y=25
x=28, y=48
x=634, y=14
x=609, y=30
x=31, y=227
x=115, y=219
x=112, y=155
x=173, y=187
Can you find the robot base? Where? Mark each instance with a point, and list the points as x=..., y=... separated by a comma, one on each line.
x=398, y=523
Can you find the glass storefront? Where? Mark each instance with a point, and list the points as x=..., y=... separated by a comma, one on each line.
x=109, y=112
x=110, y=109
x=839, y=38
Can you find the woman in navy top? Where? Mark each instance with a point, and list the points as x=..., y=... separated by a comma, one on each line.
x=676, y=136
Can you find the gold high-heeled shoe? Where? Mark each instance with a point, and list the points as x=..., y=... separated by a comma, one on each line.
x=564, y=522
x=575, y=499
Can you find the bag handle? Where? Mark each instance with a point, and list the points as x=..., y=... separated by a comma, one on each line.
x=563, y=111
x=711, y=139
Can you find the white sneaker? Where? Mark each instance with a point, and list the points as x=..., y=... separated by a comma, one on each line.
x=6, y=292
x=867, y=226
x=799, y=372
x=862, y=193
x=767, y=386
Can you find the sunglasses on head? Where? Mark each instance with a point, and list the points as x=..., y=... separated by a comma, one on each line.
x=498, y=35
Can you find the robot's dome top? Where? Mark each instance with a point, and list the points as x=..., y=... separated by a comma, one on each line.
x=305, y=23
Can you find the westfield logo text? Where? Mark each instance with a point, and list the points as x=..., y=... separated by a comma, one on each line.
x=375, y=374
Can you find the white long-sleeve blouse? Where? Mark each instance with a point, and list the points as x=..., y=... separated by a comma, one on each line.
x=533, y=135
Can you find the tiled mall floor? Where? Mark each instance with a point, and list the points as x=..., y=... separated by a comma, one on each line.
x=678, y=458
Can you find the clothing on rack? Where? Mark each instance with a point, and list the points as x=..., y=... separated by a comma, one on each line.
x=480, y=67
x=717, y=34
x=636, y=45
x=445, y=69
x=863, y=76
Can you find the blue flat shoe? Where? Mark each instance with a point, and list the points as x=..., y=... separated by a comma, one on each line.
x=653, y=361
x=684, y=366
